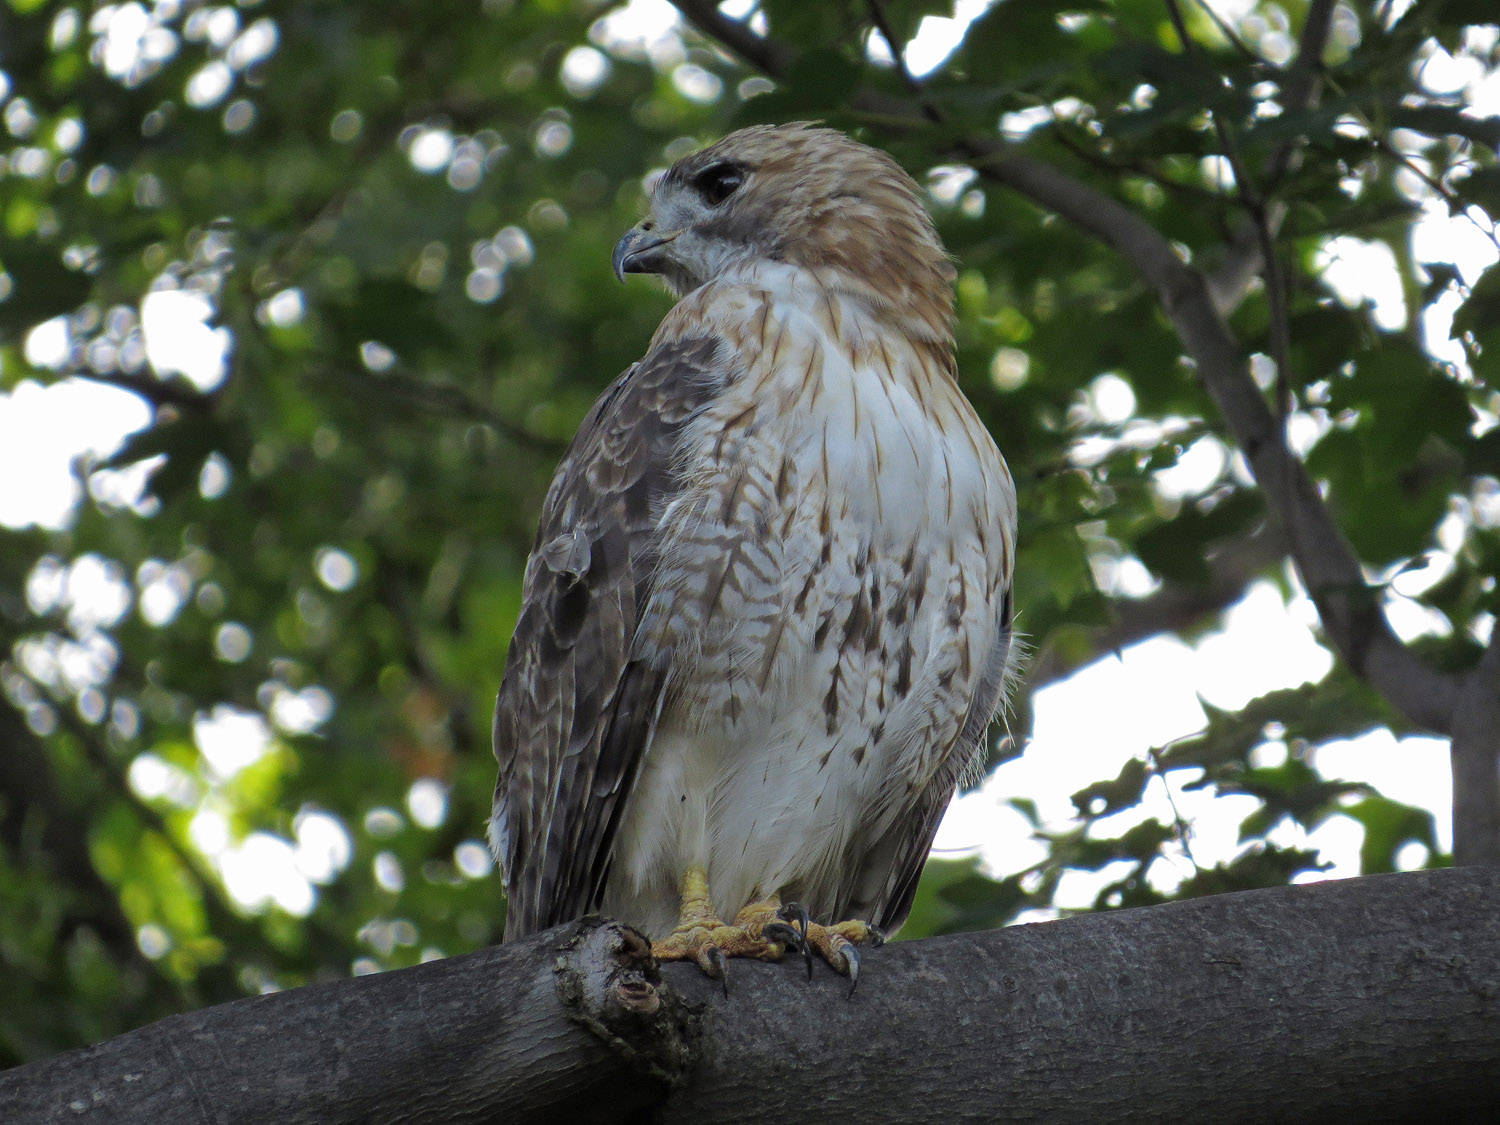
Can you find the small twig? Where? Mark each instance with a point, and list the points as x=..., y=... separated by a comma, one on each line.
x=1229, y=33
x=1137, y=167
x=1255, y=205
x=1229, y=283
x=1281, y=333
x=454, y=400
x=765, y=54
x=158, y=392
x=882, y=24
x=1179, y=822
x=103, y=761
x=1456, y=202
x=1304, y=80
x=1230, y=151
x=445, y=398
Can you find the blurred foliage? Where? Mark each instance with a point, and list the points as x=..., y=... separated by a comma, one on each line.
x=393, y=219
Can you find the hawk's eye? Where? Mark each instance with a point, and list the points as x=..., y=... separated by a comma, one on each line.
x=718, y=182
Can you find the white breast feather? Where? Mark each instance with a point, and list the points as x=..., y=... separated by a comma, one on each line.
x=748, y=774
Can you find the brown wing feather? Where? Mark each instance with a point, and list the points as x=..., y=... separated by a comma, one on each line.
x=908, y=845
x=575, y=711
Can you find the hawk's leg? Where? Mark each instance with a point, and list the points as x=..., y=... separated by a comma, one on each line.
x=703, y=937
x=764, y=930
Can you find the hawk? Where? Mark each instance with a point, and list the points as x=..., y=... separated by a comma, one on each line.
x=766, y=619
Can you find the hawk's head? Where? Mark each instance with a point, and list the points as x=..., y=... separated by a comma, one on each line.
x=803, y=196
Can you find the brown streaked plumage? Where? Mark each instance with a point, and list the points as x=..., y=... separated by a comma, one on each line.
x=767, y=617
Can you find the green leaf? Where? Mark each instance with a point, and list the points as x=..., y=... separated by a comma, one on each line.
x=1262, y=866
x=1013, y=44
x=1393, y=469
x=817, y=80
x=954, y=896
x=41, y=286
x=1106, y=797
x=1481, y=186
x=1436, y=120
x=905, y=16
x=1340, y=705
x=1389, y=826
x=1186, y=84
x=1316, y=123
x=1481, y=308
x=1176, y=549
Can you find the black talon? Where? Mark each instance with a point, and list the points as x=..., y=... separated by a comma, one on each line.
x=877, y=936
x=793, y=939
x=786, y=935
x=851, y=964
x=716, y=958
x=796, y=912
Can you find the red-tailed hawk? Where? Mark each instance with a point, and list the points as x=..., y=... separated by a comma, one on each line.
x=767, y=615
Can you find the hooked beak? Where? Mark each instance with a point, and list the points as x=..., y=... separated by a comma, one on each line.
x=640, y=250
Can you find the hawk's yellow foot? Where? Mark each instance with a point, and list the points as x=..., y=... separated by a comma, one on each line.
x=701, y=936
x=764, y=930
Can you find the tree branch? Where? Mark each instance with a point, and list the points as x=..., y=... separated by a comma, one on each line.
x=439, y=397
x=1264, y=1005
x=36, y=815
x=568, y=1026
x=760, y=52
x=1172, y=608
x=174, y=392
x=1230, y=283
x=1366, y=998
x=882, y=24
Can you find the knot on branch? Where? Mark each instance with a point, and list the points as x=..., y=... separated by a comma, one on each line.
x=608, y=982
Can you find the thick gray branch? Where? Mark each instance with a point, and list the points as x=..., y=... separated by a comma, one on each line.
x=1374, y=998
x=1330, y=569
x=566, y=1027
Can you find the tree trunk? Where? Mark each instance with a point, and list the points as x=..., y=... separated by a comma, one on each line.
x=1375, y=998
x=1475, y=755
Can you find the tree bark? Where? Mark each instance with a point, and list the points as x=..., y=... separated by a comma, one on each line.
x=565, y=1027
x=1375, y=998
